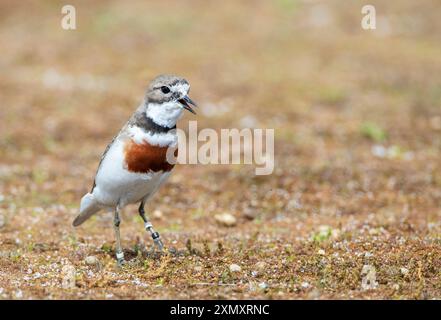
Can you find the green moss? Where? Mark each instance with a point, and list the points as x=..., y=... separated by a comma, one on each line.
x=373, y=131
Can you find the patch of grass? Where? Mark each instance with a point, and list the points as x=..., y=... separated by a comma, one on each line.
x=322, y=235
x=373, y=132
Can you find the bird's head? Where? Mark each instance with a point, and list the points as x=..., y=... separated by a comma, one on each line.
x=166, y=98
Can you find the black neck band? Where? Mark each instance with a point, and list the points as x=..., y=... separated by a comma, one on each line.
x=151, y=125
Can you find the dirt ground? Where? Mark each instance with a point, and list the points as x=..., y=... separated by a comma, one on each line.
x=352, y=209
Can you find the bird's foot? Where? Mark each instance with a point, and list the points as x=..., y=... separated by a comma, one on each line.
x=157, y=240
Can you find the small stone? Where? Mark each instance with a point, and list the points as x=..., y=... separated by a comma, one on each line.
x=305, y=285
x=249, y=214
x=404, y=271
x=91, y=260
x=68, y=272
x=235, y=268
x=321, y=252
x=263, y=285
x=379, y=151
x=254, y=273
x=157, y=214
x=226, y=219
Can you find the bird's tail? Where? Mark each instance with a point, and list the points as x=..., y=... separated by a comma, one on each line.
x=88, y=207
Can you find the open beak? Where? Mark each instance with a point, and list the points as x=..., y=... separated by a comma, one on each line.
x=186, y=102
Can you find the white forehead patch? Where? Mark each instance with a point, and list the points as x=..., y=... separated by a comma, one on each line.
x=181, y=87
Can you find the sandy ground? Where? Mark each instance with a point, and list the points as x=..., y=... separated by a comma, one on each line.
x=352, y=209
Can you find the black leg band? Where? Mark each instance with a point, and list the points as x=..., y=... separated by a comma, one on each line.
x=155, y=235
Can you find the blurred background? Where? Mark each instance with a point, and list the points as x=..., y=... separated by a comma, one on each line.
x=357, y=119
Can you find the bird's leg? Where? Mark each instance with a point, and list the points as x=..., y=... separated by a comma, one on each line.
x=149, y=227
x=119, y=251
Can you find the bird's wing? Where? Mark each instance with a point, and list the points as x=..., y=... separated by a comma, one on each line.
x=130, y=122
x=102, y=158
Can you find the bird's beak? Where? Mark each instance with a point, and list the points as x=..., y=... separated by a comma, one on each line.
x=186, y=102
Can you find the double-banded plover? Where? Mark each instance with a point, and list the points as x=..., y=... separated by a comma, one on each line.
x=135, y=164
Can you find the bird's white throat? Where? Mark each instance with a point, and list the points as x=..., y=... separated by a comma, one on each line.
x=164, y=114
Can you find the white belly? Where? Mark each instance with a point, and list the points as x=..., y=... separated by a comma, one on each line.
x=116, y=185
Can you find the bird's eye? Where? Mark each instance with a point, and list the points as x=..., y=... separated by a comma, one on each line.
x=165, y=89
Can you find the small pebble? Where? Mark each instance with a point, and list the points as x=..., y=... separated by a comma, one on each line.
x=305, y=285
x=226, y=219
x=321, y=252
x=250, y=215
x=235, y=268
x=157, y=214
x=91, y=260
x=263, y=285
x=404, y=271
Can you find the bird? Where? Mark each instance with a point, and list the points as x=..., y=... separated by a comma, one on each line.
x=135, y=164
